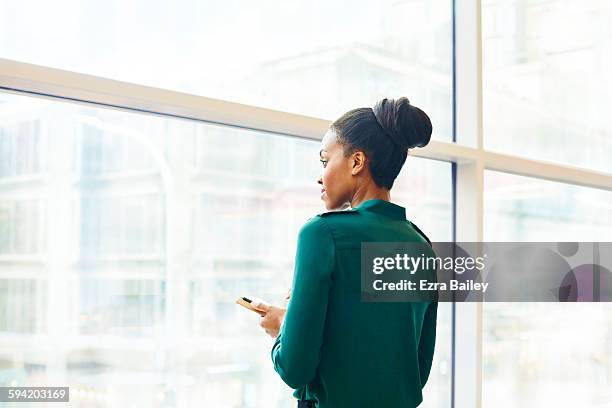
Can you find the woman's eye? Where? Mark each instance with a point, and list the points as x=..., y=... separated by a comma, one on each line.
x=324, y=162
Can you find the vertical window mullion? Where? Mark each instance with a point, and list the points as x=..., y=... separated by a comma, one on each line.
x=468, y=176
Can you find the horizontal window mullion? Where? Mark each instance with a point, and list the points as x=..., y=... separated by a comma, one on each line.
x=80, y=88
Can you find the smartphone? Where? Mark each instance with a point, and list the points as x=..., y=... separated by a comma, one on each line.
x=246, y=303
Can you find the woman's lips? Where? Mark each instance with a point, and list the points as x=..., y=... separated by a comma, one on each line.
x=322, y=193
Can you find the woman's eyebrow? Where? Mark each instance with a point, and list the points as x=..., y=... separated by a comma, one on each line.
x=321, y=152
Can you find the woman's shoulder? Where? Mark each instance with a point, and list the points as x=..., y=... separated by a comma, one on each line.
x=338, y=213
x=327, y=217
x=325, y=223
x=421, y=233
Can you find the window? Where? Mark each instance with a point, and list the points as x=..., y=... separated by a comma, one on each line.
x=120, y=228
x=23, y=136
x=159, y=225
x=22, y=305
x=546, y=82
x=319, y=60
x=532, y=350
x=21, y=226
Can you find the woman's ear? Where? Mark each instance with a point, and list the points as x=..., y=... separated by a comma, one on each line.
x=358, y=159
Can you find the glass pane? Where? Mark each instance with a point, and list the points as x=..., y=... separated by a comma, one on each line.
x=424, y=187
x=318, y=60
x=125, y=238
x=547, y=80
x=546, y=354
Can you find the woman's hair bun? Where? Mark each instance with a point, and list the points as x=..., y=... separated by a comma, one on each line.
x=407, y=125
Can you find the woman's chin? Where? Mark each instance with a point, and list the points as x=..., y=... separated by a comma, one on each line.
x=325, y=199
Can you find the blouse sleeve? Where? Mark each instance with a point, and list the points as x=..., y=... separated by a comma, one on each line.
x=427, y=341
x=297, y=350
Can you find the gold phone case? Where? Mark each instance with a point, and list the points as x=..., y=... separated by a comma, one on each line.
x=246, y=303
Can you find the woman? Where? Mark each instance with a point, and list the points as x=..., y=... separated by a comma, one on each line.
x=333, y=349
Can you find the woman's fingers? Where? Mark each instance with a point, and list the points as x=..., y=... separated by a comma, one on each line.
x=271, y=316
x=260, y=305
x=272, y=320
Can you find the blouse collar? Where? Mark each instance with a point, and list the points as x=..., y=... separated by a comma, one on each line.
x=382, y=207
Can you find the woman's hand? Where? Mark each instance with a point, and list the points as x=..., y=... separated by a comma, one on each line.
x=272, y=317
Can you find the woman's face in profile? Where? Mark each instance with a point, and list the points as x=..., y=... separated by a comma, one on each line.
x=336, y=180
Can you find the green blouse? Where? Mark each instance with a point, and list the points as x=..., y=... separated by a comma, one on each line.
x=337, y=350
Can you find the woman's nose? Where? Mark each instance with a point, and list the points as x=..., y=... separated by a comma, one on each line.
x=320, y=180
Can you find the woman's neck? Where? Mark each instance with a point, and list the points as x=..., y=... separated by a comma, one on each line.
x=370, y=192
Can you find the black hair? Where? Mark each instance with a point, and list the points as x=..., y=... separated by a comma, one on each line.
x=384, y=133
